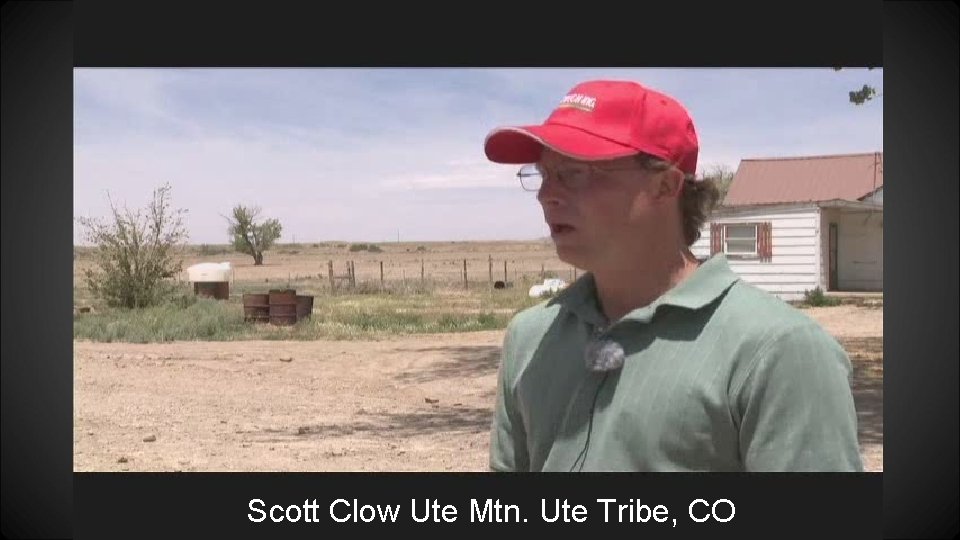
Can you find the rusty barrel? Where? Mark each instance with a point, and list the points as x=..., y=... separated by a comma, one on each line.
x=256, y=307
x=283, y=307
x=304, y=306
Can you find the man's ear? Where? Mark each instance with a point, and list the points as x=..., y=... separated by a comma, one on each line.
x=669, y=184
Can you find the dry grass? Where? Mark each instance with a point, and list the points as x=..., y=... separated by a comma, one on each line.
x=334, y=316
x=422, y=291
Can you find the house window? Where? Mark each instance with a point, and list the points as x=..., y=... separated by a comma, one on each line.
x=741, y=240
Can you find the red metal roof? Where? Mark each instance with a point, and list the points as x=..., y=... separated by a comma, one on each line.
x=805, y=179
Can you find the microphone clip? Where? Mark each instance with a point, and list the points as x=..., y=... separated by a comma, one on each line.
x=604, y=354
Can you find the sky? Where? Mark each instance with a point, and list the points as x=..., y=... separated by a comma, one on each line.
x=370, y=155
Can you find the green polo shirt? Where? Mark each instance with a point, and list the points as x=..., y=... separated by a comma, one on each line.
x=718, y=376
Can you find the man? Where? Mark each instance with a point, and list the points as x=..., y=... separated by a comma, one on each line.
x=653, y=361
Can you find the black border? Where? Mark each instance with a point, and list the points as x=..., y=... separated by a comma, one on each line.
x=37, y=238
x=217, y=505
x=248, y=34
x=920, y=67
x=920, y=477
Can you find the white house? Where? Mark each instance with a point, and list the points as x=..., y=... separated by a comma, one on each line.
x=790, y=225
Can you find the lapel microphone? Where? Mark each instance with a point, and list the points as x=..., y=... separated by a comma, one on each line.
x=603, y=355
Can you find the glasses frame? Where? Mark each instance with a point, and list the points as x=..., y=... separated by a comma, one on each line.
x=530, y=170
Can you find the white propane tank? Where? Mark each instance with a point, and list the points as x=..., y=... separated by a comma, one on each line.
x=210, y=272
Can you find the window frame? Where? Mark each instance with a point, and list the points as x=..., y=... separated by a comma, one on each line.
x=755, y=254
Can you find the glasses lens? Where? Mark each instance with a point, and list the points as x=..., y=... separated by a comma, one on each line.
x=530, y=177
x=574, y=177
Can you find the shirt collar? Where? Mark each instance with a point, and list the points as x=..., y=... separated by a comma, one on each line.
x=710, y=280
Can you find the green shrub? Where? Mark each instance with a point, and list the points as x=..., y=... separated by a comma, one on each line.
x=136, y=253
x=816, y=298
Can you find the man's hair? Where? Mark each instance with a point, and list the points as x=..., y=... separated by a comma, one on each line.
x=697, y=200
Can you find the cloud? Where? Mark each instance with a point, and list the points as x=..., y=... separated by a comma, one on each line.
x=457, y=174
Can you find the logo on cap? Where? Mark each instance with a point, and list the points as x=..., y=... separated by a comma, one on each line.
x=579, y=101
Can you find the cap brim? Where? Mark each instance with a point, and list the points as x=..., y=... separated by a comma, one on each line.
x=524, y=144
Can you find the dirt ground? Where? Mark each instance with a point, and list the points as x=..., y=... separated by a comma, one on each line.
x=418, y=403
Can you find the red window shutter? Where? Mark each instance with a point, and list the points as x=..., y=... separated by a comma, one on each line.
x=769, y=241
x=716, y=238
x=761, y=243
x=765, y=233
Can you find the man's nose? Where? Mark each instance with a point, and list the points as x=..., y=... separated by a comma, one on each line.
x=551, y=193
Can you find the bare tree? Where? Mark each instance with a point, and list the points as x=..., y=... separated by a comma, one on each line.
x=722, y=176
x=136, y=251
x=250, y=236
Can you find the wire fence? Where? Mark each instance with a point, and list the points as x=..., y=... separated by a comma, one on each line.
x=369, y=275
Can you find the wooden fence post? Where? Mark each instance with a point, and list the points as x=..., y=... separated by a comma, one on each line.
x=333, y=285
x=381, y=276
x=465, y=286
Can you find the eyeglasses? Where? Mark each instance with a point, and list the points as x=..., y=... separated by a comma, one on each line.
x=572, y=177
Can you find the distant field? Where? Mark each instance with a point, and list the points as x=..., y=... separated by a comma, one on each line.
x=441, y=263
x=422, y=291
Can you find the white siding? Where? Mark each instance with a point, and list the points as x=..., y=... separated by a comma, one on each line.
x=795, y=265
x=805, y=241
x=701, y=248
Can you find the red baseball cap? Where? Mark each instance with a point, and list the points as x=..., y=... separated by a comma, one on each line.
x=600, y=120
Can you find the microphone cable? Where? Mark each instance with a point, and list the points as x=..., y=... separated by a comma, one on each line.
x=586, y=445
